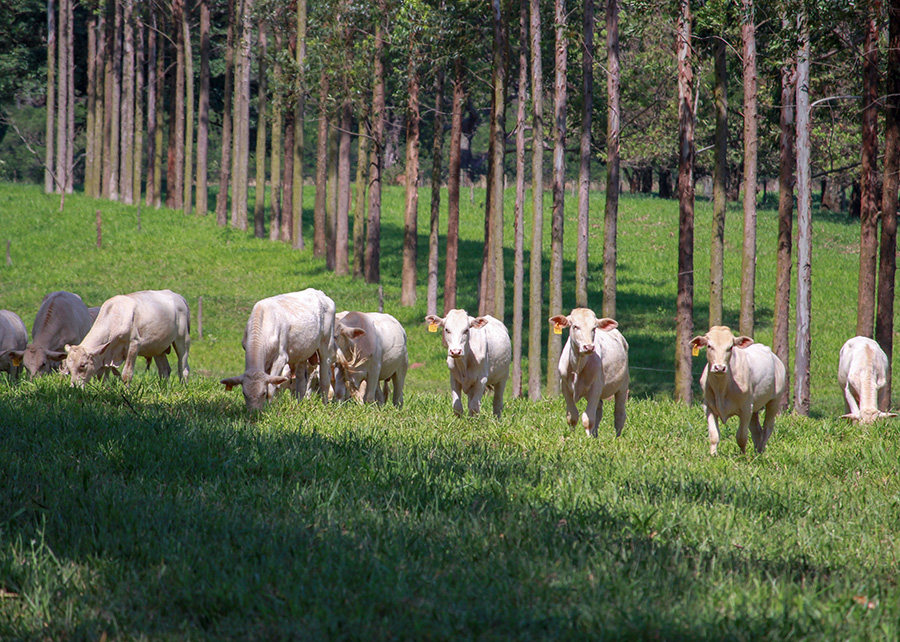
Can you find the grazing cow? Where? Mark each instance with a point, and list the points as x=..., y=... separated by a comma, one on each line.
x=62, y=319
x=282, y=335
x=371, y=348
x=593, y=366
x=740, y=378
x=13, y=337
x=145, y=324
x=862, y=373
x=478, y=356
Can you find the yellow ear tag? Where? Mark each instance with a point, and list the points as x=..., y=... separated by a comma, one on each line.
x=695, y=351
x=557, y=329
x=432, y=327
x=16, y=362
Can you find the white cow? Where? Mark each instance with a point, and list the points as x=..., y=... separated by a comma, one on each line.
x=478, y=356
x=145, y=324
x=371, y=348
x=862, y=373
x=13, y=337
x=740, y=379
x=62, y=319
x=593, y=366
x=282, y=334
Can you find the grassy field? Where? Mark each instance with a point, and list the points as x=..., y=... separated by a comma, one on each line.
x=165, y=511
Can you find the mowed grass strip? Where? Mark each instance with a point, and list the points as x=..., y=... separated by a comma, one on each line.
x=165, y=511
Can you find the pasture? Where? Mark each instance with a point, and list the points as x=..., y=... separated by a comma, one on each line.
x=166, y=511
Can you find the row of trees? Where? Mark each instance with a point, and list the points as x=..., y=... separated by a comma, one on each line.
x=364, y=70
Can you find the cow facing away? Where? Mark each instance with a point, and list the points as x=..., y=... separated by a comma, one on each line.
x=145, y=324
x=282, y=335
x=862, y=374
x=13, y=337
x=740, y=379
x=593, y=366
x=62, y=319
x=371, y=348
x=478, y=355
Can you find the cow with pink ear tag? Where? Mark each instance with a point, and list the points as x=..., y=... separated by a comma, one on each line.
x=593, y=366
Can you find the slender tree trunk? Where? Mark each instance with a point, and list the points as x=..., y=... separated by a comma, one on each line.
x=203, y=113
x=804, y=224
x=613, y=128
x=720, y=177
x=373, y=226
x=49, y=182
x=320, y=217
x=495, y=299
x=227, y=126
x=138, y=146
x=584, y=170
x=554, y=341
x=684, y=321
x=90, y=156
x=297, y=150
x=102, y=53
x=342, y=224
x=519, y=214
x=331, y=194
x=188, y=186
x=150, y=196
x=359, y=212
x=159, y=116
x=781, y=339
x=751, y=147
x=887, y=260
x=410, y=219
x=70, y=88
x=535, y=297
x=868, y=212
x=110, y=101
x=453, y=176
x=287, y=195
x=126, y=156
x=277, y=128
x=259, y=208
x=175, y=179
x=437, y=150
x=62, y=103
x=241, y=159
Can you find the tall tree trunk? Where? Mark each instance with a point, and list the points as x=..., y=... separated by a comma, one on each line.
x=437, y=153
x=227, y=127
x=70, y=88
x=320, y=235
x=90, y=156
x=259, y=208
x=102, y=53
x=159, y=116
x=175, y=179
x=110, y=101
x=62, y=102
x=241, y=160
x=613, y=129
x=331, y=193
x=584, y=170
x=287, y=195
x=554, y=341
x=781, y=339
x=203, y=114
x=126, y=156
x=720, y=177
x=453, y=176
x=277, y=128
x=342, y=224
x=187, y=199
x=49, y=182
x=868, y=212
x=804, y=224
x=519, y=214
x=359, y=212
x=297, y=150
x=887, y=260
x=751, y=147
x=684, y=320
x=373, y=225
x=497, y=175
x=535, y=297
x=410, y=219
x=138, y=145
x=150, y=195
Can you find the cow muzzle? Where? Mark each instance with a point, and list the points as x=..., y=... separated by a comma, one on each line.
x=455, y=353
x=718, y=368
x=587, y=348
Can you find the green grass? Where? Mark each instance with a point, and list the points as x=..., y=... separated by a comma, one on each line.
x=165, y=511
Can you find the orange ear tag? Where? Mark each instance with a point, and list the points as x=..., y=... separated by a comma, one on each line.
x=695, y=351
x=557, y=329
x=432, y=327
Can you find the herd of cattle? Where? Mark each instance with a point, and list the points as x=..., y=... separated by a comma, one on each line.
x=297, y=341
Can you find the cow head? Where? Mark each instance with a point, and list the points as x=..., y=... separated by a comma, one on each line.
x=83, y=364
x=719, y=343
x=455, y=330
x=258, y=387
x=583, y=324
x=36, y=360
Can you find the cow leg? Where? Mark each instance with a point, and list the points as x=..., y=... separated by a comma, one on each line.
x=182, y=347
x=571, y=408
x=455, y=396
x=743, y=429
x=498, y=398
x=769, y=423
x=162, y=366
x=399, y=382
x=590, y=418
x=130, y=358
x=713, y=427
x=475, y=395
x=884, y=400
x=619, y=413
x=372, y=388
x=850, y=401
x=325, y=388
x=756, y=432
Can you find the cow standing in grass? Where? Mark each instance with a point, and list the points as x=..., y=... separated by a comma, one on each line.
x=62, y=319
x=282, y=335
x=13, y=337
x=740, y=379
x=478, y=355
x=371, y=348
x=862, y=374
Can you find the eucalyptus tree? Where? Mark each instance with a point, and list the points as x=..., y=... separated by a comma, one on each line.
x=297, y=141
x=584, y=170
x=868, y=213
x=613, y=130
x=804, y=219
x=188, y=198
x=535, y=298
x=49, y=179
x=751, y=149
x=227, y=117
x=203, y=113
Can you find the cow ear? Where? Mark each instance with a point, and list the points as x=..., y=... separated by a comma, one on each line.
x=16, y=357
x=433, y=319
x=743, y=342
x=68, y=348
x=851, y=416
x=559, y=320
x=56, y=356
x=887, y=415
x=479, y=322
x=607, y=324
x=353, y=333
x=231, y=382
x=277, y=380
x=699, y=342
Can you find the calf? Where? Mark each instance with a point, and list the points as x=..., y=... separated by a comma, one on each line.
x=478, y=356
x=371, y=348
x=145, y=324
x=862, y=374
x=593, y=366
x=740, y=378
x=282, y=335
x=62, y=319
x=13, y=337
